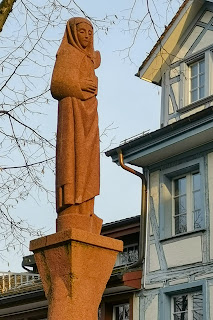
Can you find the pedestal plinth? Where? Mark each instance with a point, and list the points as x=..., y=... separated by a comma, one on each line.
x=74, y=266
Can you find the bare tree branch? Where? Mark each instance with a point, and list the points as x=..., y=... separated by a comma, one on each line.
x=5, y=9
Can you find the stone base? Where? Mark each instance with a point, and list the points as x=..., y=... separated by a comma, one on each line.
x=67, y=220
x=74, y=266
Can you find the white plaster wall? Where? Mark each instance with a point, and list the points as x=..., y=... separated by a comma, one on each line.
x=152, y=310
x=171, y=121
x=183, y=252
x=178, y=281
x=175, y=87
x=187, y=114
x=210, y=187
x=156, y=285
x=150, y=230
x=189, y=42
x=211, y=299
x=205, y=41
x=175, y=72
x=154, y=191
x=135, y=308
x=154, y=262
x=207, y=17
x=171, y=107
x=204, y=276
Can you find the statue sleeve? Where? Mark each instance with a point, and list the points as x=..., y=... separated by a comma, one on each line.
x=65, y=78
x=97, y=59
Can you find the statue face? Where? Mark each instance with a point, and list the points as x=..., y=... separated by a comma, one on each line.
x=85, y=34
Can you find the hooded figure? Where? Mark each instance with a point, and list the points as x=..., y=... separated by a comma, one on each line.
x=74, y=85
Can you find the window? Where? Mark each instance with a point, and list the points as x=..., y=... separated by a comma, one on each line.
x=182, y=196
x=197, y=80
x=193, y=86
x=187, y=306
x=119, y=306
x=128, y=256
x=121, y=312
x=186, y=301
x=187, y=212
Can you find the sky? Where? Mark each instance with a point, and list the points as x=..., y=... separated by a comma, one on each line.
x=126, y=104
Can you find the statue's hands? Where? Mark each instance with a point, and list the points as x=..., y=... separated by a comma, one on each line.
x=88, y=85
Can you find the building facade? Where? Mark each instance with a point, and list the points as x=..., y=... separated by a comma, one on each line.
x=177, y=161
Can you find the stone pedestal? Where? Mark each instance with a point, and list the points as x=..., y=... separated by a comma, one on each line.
x=74, y=266
x=87, y=222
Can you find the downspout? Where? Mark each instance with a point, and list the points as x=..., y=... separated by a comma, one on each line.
x=142, y=239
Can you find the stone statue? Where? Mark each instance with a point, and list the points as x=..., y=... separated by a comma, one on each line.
x=74, y=85
x=70, y=261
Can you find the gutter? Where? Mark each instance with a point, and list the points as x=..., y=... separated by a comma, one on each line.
x=143, y=220
x=163, y=134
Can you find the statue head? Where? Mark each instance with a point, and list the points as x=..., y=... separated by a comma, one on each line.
x=79, y=33
x=84, y=33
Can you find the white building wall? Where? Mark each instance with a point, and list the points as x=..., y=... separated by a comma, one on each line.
x=210, y=195
x=152, y=310
x=154, y=262
x=176, y=261
x=154, y=191
x=211, y=300
x=136, y=307
x=176, y=81
x=183, y=252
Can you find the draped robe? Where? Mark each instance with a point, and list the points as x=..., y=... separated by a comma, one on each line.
x=77, y=147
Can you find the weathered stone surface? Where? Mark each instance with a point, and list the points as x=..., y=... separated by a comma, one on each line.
x=67, y=219
x=74, y=85
x=74, y=266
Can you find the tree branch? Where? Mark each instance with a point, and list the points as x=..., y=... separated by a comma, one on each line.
x=6, y=7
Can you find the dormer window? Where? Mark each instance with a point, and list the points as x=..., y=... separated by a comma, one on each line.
x=197, y=80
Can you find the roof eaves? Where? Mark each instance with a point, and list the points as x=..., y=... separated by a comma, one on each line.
x=120, y=223
x=159, y=134
x=159, y=41
x=22, y=296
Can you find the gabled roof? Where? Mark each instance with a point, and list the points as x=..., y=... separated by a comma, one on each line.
x=157, y=61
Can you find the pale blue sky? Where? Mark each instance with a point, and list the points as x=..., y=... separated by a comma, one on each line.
x=132, y=105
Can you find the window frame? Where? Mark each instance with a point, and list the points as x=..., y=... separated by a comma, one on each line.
x=184, y=92
x=119, y=305
x=198, y=62
x=189, y=304
x=108, y=303
x=166, y=196
x=167, y=293
x=189, y=201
